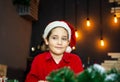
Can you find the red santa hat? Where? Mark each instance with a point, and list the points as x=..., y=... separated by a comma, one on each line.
x=73, y=37
x=68, y=27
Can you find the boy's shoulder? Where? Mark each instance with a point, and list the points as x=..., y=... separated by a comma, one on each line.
x=42, y=55
x=72, y=55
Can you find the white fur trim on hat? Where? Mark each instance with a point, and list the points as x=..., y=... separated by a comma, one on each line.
x=54, y=24
x=68, y=49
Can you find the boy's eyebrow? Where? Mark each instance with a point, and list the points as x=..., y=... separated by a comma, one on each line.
x=53, y=35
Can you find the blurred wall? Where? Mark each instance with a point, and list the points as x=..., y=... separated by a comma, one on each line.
x=15, y=35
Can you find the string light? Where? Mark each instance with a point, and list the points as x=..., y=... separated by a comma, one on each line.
x=102, y=42
x=115, y=18
x=101, y=29
x=88, y=22
x=76, y=34
x=33, y=49
x=73, y=48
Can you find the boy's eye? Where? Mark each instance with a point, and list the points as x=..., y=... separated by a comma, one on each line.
x=64, y=38
x=54, y=37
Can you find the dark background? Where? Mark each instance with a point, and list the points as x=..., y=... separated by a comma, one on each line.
x=75, y=12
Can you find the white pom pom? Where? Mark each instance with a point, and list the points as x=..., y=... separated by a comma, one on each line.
x=68, y=49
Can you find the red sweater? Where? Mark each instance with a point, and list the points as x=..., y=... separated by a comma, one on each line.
x=43, y=64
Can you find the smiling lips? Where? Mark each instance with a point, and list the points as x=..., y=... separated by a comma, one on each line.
x=58, y=47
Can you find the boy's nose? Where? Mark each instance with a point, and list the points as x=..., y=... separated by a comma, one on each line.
x=59, y=41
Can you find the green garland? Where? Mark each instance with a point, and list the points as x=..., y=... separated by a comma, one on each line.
x=62, y=75
x=94, y=73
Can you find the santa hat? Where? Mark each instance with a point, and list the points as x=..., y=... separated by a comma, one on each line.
x=67, y=26
x=73, y=37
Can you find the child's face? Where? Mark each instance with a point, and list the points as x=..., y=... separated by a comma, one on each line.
x=58, y=41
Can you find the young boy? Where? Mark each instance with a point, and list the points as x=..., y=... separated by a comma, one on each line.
x=57, y=36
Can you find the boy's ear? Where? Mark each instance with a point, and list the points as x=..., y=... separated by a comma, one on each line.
x=68, y=42
x=46, y=41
